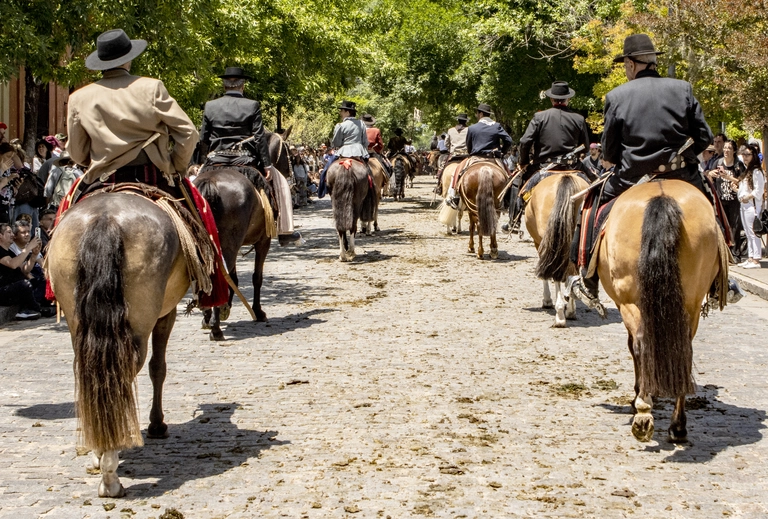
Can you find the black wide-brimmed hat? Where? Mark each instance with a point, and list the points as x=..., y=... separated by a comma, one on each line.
x=368, y=119
x=114, y=48
x=485, y=108
x=637, y=45
x=234, y=73
x=462, y=117
x=348, y=105
x=560, y=90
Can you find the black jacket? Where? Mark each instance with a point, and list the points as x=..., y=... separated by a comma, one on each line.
x=647, y=120
x=487, y=136
x=553, y=133
x=230, y=119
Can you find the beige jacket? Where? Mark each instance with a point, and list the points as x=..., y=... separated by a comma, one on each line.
x=111, y=120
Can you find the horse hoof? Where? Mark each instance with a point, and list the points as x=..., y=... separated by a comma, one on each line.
x=642, y=427
x=547, y=305
x=678, y=436
x=261, y=316
x=224, y=312
x=113, y=490
x=571, y=317
x=494, y=254
x=158, y=432
x=206, y=325
x=376, y=227
x=216, y=335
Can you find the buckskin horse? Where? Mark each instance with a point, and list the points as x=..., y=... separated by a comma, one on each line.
x=451, y=216
x=660, y=252
x=352, y=198
x=117, y=268
x=551, y=217
x=479, y=187
x=240, y=205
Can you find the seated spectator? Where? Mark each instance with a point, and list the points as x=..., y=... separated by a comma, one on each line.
x=15, y=288
x=36, y=276
x=47, y=219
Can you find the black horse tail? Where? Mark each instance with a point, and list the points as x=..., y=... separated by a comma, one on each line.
x=107, y=358
x=343, y=198
x=210, y=191
x=486, y=205
x=664, y=337
x=398, y=164
x=555, y=247
x=370, y=201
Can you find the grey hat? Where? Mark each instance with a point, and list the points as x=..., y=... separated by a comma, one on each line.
x=485, y=108
x=114, y=48
x=636, y=45
x=560, y=90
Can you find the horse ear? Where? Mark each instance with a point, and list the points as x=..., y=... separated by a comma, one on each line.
x=287, y=133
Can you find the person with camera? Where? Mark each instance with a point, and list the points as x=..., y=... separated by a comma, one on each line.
x=725, y=175
x=750, y=194
x=15, y=286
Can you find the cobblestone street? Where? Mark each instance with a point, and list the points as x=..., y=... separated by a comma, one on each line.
x=414, y=381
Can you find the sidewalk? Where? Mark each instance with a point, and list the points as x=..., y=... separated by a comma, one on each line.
x=752, y=280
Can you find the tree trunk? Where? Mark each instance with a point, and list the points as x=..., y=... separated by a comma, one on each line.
x=279, y=117
x=765, y=146
x=31, y=105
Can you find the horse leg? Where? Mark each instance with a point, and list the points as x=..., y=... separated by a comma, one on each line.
x=458, y=222
x=342, y=246
x=207, y=319
x=636, y=364
x=642, y=423
x=110, y=484
x=494, y=246
x=471, y=248
x=559, y=306
x=216, y=333
x=479, y=242
x=677, y=430
x=160, y=335
x=570, y=307
x=547, y=300
x=258, y=279
x=226, y=309
x=351, y=249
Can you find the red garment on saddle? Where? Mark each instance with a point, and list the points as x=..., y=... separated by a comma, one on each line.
x=220, y=290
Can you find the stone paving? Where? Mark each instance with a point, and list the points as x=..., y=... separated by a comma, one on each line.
x=415, y=381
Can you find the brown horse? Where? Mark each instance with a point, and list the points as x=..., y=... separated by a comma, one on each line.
x=117, y=268
x=239, y=211
x=551, y=217
x=660, y=253
x=479, y=187
x=401, y=168
x=379, y=180
x=352, y=198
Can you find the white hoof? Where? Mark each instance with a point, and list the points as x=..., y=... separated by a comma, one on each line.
x=547, y=303
x=115, y=489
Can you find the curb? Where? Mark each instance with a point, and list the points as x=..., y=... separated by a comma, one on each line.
x=751, y=285
x=7, y=314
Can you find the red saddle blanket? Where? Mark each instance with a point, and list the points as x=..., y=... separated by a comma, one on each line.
x=220, y=290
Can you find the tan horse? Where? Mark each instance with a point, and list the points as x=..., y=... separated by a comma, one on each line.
x=551, y=218
x=454, y=226
x=118, y=271
x=479, y=188
x=660, y=253
x=379, y=182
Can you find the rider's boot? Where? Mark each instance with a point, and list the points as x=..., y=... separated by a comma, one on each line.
x=452, y=199
x=586, y=290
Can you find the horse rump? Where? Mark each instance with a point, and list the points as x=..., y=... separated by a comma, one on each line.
x=106, y=355
x=663, y=341
x=486, y=205
x=555, y=247
x=368, y=209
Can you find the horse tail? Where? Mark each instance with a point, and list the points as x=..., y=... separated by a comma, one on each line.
x=555, y=247
x=343, y=197
x=665, y=349
x=369, y=202
x=399, y=167
x=210, y=191
x=106, y=355
x=486, y=206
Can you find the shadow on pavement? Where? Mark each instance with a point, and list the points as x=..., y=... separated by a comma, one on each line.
x=247, y=329
x=47, y=411
x=208, y=445
x=713, y=426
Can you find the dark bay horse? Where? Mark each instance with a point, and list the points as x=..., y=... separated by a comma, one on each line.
x=479, y=187
x=550, y=217
x=352, y=198
x=241, y=218
x=660, y=252
x=118, y=271
x=401, y=168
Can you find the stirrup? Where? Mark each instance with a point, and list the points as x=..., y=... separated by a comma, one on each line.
x=575, y=286
x=452, y=202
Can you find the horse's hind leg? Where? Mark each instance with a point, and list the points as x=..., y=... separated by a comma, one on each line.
x=351, y=249
x=570, y=307
x=480, y=250
x=494, y=247
x=559, y=306
x=677, y=430
x=207, y=313
x=216, y=333
x=160, y=335
x=472, y=225
x=258, y=279
x=642, y=423
x=110, y=484
x=342, y=246
x=547, y=299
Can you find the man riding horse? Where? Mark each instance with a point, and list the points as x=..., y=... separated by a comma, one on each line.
x=231, y=119
x=647, y=121
x=486, y=138
x=551, y=135
x=349, y=138
x=376, y=143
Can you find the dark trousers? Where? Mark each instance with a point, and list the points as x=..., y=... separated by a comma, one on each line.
x=19, y=293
